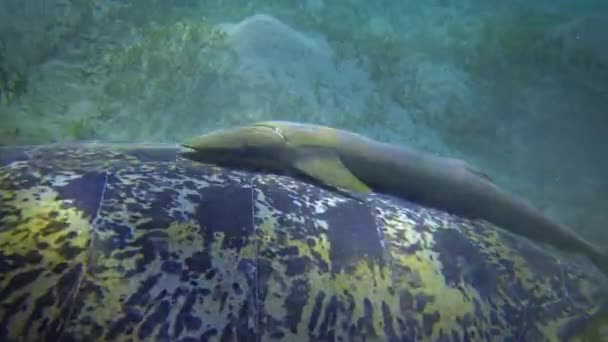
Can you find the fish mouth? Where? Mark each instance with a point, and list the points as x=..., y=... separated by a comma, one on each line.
x=189, y=152
x=185, y=149
x=237, y=158
x=206, y=156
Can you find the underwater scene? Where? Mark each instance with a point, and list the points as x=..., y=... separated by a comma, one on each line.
x=313, y=170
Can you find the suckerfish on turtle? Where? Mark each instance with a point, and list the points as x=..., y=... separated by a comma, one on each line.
x=349, y=161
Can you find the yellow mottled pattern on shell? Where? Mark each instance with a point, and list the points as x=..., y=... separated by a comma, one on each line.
x=411, y=266
x=184, y=240
x=363, y=280
x=106, y=242
x=421, y=272
x=47, y=242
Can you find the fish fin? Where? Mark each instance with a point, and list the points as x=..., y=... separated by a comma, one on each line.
x=327, y=168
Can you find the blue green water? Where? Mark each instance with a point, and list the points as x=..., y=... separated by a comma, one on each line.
x=518, y=88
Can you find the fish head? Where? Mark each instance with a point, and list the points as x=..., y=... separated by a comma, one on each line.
x=255, y=145
x=255, y=136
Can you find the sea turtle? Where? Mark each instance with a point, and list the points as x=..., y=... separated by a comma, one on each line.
x=136, y=242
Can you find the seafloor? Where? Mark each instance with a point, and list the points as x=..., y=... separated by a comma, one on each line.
x=519, y=88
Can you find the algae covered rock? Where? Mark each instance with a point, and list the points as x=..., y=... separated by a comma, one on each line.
x=278, y=62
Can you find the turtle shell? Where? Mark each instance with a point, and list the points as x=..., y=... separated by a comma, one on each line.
x=135, y=242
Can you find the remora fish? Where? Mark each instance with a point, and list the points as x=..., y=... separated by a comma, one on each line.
x=345, y=160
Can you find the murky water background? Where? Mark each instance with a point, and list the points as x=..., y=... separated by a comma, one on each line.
x=519, y=89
